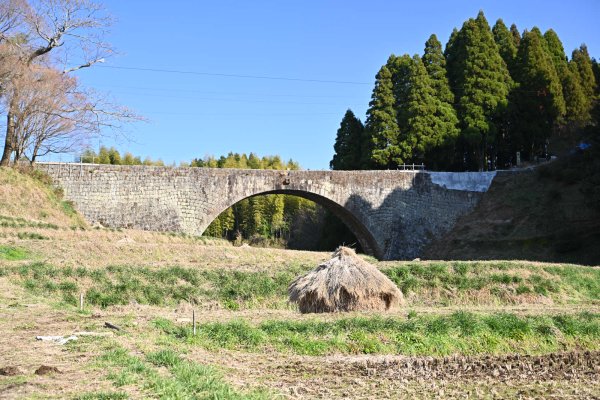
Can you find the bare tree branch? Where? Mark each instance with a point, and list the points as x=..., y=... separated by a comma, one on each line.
x=46, y=109
x=86, y=65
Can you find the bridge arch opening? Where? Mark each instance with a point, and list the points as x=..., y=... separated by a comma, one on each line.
x=359, y=237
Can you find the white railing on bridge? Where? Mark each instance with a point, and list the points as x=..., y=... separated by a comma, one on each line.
x=411, y=167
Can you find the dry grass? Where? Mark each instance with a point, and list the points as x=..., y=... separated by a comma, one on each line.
x=98, y=248
x=26, y=197
x=223, y=276
x=23, y=317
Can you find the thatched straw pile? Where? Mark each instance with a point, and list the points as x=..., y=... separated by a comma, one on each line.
x=344, y=283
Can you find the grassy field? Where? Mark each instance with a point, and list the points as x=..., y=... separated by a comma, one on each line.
x=422, y=335
x=488, y=329
x=423, y=283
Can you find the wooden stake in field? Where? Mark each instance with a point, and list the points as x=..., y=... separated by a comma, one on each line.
x=81, y=301
x=194, y=321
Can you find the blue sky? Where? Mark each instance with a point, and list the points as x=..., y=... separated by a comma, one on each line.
x=193, y=115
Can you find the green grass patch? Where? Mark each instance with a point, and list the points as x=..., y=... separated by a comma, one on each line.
x=13, y=381
x=434, y=335
x=12, y=253
x=444, y=283
x=31, y=236
x=506, y=280
x=119, y=285
x=584, y=282
x=68, y=208
x=13, y=222
x=236, y=289
x=32, y=183
x=184, y=379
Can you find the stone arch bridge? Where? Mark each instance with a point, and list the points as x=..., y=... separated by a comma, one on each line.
x=394, y=214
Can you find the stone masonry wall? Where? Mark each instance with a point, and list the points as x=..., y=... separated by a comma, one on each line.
x=394, y=214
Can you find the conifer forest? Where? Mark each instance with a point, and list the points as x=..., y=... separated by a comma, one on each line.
x=491, y=93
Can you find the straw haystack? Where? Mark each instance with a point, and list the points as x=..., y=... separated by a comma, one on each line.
x=344, y=283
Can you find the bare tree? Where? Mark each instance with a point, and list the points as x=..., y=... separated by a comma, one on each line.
x=37, y=37
x=11, y=13
x=53, y=114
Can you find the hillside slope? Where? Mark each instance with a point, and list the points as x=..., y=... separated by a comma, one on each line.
x=551, y=213
x=27, y=198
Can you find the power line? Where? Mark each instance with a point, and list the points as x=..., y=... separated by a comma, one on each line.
x=530, y=93
x=246, y=101
x=162, y=89
x=457, y=90
x=274, y=78
x=244, y=115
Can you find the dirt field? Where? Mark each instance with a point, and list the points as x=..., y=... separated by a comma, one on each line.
x=563, y=375
x=24, y=314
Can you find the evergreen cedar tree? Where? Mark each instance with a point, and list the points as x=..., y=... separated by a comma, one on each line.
x=440, y=151
x=381, y=148
x=481, y=86
x=430, y=121
x=516, y=35
x=506, y=44
x=576, y=106
x=348, y=143
x=435, y=64
x=538, y=100
x=582, y=67
x=490, y=93
x=595, y=131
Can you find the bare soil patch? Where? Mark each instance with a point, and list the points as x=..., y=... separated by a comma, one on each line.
x=556, y=375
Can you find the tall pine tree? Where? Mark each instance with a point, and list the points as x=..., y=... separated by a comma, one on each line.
x=575, y=103
x=380, y=145
x=538, y=101
x=516, y=35
x=593, y=130
x=430, y=122
x=454, y=53
x=596, y=71
x=441, y=156
x=348, y=143
x=400, y=68
x=506, y=44
x=582, y=67
x=435, y=63
x=481, y=83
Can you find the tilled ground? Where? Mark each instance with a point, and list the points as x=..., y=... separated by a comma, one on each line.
x=566, y=365
x=560, y=375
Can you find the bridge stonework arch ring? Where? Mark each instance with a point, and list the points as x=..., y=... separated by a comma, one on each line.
x=360, y=231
